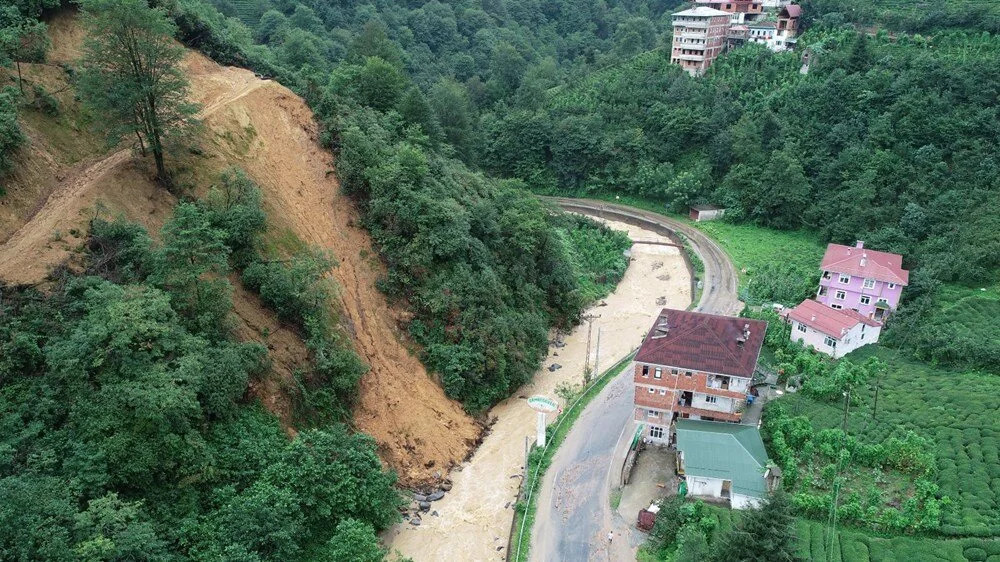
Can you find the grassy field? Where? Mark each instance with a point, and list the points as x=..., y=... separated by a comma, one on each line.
x=956, y=409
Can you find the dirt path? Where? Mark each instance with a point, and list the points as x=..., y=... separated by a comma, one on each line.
x=474, y=517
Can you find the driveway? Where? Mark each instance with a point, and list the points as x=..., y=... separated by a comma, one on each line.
x=574, y=513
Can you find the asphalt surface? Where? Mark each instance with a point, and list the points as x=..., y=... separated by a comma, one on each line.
x=574, y=513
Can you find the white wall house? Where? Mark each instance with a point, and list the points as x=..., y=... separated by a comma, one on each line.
x=833, y=332
x=724, y=461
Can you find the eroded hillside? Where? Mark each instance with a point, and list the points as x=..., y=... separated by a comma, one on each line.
x=267, y=130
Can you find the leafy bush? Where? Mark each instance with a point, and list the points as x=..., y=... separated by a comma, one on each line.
x=11, y=137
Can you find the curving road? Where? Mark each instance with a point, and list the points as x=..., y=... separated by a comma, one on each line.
x=583, y=466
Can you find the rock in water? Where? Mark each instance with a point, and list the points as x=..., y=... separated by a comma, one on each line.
x=435, y=496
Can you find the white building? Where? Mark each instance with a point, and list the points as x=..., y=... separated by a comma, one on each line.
x=833, y=332
x=724, y=461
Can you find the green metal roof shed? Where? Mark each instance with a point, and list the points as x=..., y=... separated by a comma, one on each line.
x=726, y=451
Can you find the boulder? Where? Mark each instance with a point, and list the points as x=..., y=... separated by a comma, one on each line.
x=415, y=521
x=419, y=498
x=424, y=506
x=435, y=496
x=446, y=486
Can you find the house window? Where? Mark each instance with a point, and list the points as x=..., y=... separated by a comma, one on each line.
x=841, y=295
x=801, y=327
x=656, y=432
x=865, y=299
x=673, y=372
x=830, y=342
x=652, y=390
x=844, y=278
x=892, y=286
x=651, y=413
x=711, y=399
x=688, y=373
x=658, y=373
x=869, y=283
x=645, y=371
x=663, y=392
x=836, y=306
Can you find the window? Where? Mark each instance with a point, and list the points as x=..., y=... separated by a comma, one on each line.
x=652, y=390
x=844, y=278
x=892, y=286
x=688, y=373
x=673, y=372
x=801, y=327
x=865, y=299
x=841, y=295
x=658, y=373
x=652, y=414
x=830, y=342
x=656, y=432
x=645, y=371
x=711, y=399
x=869, y=283
x=663, y=392
x=836, y=306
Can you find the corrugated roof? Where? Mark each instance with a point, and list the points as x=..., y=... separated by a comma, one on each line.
x=703, y=342
x=832, y=322
x=862, y=262
x=728, y=451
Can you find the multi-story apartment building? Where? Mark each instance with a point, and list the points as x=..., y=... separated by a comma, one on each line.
x=699, y=38
x=739, y=11
x=697, y=366
x=863, y=280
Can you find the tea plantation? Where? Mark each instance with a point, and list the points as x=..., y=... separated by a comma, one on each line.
x=854, y=546
x=956, y=410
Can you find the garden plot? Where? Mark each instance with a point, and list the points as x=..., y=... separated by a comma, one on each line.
x=955, y=410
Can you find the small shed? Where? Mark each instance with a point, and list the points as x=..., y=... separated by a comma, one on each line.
x=706, y=212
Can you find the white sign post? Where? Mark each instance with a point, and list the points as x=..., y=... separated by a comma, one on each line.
x=542, y=405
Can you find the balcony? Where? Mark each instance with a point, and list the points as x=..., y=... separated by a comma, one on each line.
x=693, y=58
x=703, y=413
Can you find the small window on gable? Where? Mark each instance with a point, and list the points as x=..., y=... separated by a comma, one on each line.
x=844, y=278
x=645, y=371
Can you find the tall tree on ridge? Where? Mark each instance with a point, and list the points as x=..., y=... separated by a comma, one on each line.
x=131, y=75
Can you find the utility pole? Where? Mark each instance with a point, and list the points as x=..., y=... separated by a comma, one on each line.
x=832, y=519
x=586, y=357
x=878, y=381
x=597, y=354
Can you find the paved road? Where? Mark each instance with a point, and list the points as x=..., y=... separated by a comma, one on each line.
x=574, y=513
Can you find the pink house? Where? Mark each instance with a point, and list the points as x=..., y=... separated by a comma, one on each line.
x=862, y=280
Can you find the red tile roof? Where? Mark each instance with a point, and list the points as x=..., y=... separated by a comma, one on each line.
x=862, y=262
x=792, y=10
x=832, y=322
x=703, y=342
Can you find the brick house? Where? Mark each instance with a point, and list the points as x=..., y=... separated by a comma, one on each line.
x=865, y=281
x=698, y=39
x=697, y=366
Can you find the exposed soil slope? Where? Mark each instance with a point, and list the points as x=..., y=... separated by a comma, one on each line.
x=264, y=128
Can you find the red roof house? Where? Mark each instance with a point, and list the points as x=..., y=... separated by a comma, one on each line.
x=861, y=262
x=831, y=331
x=694, y=365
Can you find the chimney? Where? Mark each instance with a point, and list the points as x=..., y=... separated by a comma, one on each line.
x=662, y=327
x=813, y=318
x=860, y=244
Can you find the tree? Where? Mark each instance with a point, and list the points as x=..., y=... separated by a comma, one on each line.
x=353, y=541
x=692, y=546
x=11, y=136
x=131, y=75
x=22, y=39
x=765, y=534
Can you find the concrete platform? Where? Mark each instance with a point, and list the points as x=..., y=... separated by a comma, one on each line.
x=653, y=478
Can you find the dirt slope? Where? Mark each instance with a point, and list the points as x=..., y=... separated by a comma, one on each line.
x=264, y=128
